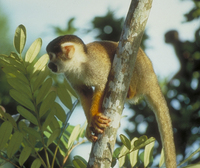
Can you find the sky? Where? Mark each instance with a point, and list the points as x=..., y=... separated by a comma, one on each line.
x=39, y=17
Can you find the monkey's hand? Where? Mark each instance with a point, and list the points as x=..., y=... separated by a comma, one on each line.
x=90, y=135
x=97, y=125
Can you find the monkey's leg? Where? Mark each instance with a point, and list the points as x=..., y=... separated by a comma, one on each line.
x=98, y=121
x=158, y=104
x=85, y=94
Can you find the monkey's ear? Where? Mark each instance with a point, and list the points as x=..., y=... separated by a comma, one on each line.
x=68, y=50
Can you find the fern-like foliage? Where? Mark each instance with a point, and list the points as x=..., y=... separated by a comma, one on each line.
x=45, y=122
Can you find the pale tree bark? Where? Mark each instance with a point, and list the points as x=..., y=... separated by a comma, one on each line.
x=119, y=80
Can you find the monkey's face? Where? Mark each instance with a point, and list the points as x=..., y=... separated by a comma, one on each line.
x=65, y=57
x=66, y=53
x=56, y=64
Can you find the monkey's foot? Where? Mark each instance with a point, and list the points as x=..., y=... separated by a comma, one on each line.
x=99, y=122
x=97, y=125
x=90, y=135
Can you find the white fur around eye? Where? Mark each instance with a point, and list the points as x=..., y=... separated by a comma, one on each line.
x=52, y=56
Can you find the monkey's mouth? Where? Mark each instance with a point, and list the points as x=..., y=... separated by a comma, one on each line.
x=53, y=67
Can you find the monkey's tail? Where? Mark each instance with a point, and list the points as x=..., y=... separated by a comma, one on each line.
x=158, y=104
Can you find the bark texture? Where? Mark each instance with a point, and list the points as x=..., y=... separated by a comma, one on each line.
x=119, y=80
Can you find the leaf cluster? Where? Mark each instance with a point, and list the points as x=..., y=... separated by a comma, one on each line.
x=128, y=153
x=129, y=150
x=44, y=120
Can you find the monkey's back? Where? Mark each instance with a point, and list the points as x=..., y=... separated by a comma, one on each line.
x=143, y=77
x=100, y=54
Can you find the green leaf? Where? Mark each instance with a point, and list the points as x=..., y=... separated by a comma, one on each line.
x=65, y=97
x=11, y=120
x=133, y=142
x=33, y=132
x=81, y=158
x=17, y=62
x=68, y=130
x=148, y=153
x=36, y=163
x=20, y=38
x=47, y=134
x=12, y=61
x=123, y=152
x=54, y=124
x=140, y=141
x=27, y=114
x=125, y=141
x=114, y=162
x=24, y=154
x=5, y=132
x=44, y=90
x=33, y=50
x=116, y=152
x=82, y=130
x=141, y=156
x=115, y=156
x=41, y=63
x=53, y=136
x=14, y=143
x=32, y=139
x=38, y=80
x=197, y=165
x=47, y=103
x=60, y=113
x=19, y=86
x=74, y=136
x=3, y=61
x=21, y=125
x=16, y=57
x=162, y=158
x=148, y=141
x=134, y=154
x=11, y=71
x=64, y=140
x=48, y=119
x=79, y=163
x=62, y=149
x=22, y=99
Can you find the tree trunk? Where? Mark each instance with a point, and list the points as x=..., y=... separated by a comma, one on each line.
x=119, y=80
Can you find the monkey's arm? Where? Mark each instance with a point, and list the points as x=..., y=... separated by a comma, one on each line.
x=91, y=103
x=98, y=121
x=85, y=94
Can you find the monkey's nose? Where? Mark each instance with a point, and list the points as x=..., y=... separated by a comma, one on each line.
x=53, y=67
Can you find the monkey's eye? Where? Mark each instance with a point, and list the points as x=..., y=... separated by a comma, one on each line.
x=51, y=56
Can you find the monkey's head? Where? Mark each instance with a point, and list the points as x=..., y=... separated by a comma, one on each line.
x=65, y=52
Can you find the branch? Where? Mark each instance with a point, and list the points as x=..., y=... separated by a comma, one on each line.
x=119, y=80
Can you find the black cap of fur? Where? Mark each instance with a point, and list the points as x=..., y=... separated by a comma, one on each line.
x=55, y=45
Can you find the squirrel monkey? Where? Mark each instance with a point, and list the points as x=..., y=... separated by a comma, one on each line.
x=88, y=65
